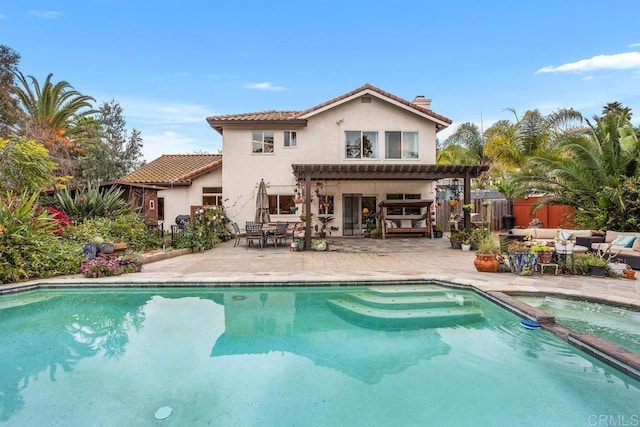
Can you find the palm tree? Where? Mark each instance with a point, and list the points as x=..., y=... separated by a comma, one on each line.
x=591, y=171
x=55, y=114
x=511, y=143
x=469, y=136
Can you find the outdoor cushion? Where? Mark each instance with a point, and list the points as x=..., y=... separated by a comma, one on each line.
x=416, y=224
x=405, y=223
x=565, y=234
x=625, y=241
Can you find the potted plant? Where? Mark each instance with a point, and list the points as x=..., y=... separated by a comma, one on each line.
x=597, y=266
x=510, y=190
x=545, y=255
x=468, y=207
x=457, y=237
x=486, y=256
x=293, y=209
x=452, y=202
x=324, y=220
x=521, y=261
x=437, y=232
x=466, y=244
x=629, y=273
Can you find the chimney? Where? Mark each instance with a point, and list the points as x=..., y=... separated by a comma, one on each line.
x=423, y=102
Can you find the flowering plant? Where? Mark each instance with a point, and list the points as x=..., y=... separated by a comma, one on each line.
x=110, y=266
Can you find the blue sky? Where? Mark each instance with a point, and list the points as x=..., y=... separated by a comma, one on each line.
x=172, y=64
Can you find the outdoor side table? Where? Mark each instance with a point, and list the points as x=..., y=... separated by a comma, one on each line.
x=542, y=266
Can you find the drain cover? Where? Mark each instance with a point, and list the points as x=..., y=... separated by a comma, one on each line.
x=163, y=413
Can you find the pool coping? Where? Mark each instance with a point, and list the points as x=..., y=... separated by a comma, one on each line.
x=613, y=355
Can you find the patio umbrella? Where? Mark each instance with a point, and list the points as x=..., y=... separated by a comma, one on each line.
x=262, y=204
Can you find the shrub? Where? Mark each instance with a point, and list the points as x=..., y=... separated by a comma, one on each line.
x=129, y=228
x=91, y=202
x=37, y=255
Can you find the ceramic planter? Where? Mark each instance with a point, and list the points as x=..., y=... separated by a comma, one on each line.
x=486, y=263
x=522, y=263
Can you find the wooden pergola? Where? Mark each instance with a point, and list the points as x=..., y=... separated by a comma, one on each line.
x=307, y=173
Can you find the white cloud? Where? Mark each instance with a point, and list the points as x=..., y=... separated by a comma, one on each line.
x=619, y=61
x=162, y=112
x=264, y=86
x=48, y=14
x=634, y=45
x=168, y=142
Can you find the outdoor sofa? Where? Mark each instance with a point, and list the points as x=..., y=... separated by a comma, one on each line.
x=626, y=247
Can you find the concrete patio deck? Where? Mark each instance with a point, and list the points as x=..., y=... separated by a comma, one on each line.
x=396, y=259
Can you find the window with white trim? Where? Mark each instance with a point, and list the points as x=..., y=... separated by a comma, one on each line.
x=403, y=211
x=290, y=138
x=211, y=196
x=401, y=145
x=262, y=142
x=361, y=145
x=280, y=204
x=325, y=204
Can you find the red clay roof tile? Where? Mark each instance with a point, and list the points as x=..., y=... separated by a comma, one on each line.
x=174, y=168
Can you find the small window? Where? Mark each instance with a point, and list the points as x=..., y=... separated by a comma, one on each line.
x=361, y=145
x=152, y=205
x=401, y=145
x=212, y=196
x=262, y=142
x=325, y=205
x=290, y=139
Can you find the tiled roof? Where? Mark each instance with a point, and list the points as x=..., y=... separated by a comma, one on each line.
x=273, y=116
x=367, y=86
x=177, y=169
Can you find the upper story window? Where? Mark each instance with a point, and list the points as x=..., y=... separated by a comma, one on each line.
x=262, y=142
x=290, y=138
x=361, y=145
x=212, y=196
x=401, y=145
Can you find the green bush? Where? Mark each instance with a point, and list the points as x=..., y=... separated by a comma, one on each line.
x=37, y=255
x=128, y=228
x=209, y=228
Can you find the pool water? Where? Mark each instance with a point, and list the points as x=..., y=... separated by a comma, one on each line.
x=291, y=356
x=619, y=325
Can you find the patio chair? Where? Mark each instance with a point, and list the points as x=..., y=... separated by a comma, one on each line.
x=237, y=233
x=253, y=231
x=279, y=234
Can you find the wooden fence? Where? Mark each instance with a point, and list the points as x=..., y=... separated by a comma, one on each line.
x=551, y=216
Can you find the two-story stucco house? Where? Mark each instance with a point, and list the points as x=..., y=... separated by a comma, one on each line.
x=349, y=154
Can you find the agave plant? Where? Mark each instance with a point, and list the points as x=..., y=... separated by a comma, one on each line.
x=92, y=202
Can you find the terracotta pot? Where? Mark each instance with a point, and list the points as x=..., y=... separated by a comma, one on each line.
x=486, y=263
x=452, y=203
x=629, y=274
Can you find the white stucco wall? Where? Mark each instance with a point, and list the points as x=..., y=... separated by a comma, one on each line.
x=179, y=199
x=321, y=141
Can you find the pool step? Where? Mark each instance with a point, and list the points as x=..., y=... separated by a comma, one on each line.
x=406, y=291
x=408, y=312
x=402, y=302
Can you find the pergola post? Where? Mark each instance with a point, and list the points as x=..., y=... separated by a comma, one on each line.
x=467, y=200
x=307, y=206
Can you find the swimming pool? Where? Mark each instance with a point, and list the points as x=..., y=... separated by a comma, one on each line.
x=616, y=324
x=291, y=356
